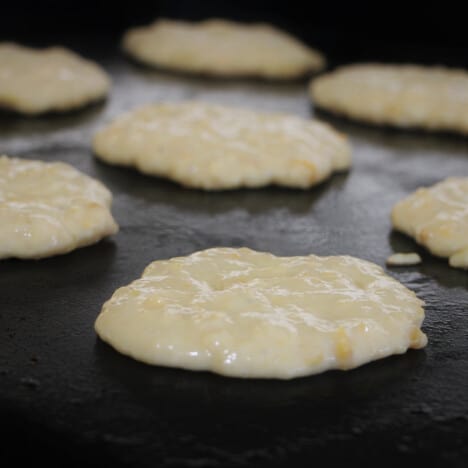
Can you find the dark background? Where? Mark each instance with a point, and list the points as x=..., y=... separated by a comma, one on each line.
x=429, y=32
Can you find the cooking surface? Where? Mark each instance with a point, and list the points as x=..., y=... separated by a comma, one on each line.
x=65, y=394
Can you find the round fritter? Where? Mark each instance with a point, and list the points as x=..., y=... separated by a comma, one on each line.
x=432, y=98
x=222, y=48
x=437, y=218
x=50, y=208
x=34, y=81
x=243, y=313
x=214, y=147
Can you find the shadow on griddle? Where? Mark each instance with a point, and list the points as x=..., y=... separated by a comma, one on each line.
x=67, y=269
x=399, y=138
x=204, y=391
x=13, y=124
x=401, y=243
x=261, y=95
x=431, y=266
x=160, y=72
x=162, y=191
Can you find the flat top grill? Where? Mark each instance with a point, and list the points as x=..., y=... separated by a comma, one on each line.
x=68, y=398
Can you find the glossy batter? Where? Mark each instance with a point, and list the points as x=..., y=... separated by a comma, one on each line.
x=215, y=147
x=434, y=98
x=222, y=48
x=437, y=217
x=243, y=313
x=33, y=81
x=50, y=208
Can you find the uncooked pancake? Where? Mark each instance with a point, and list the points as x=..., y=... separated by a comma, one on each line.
x=34, y=81
x=243, y=313
x=50, y=208
x=437, y=218
x=222, y=48
x=214, y=147
x=433, y=98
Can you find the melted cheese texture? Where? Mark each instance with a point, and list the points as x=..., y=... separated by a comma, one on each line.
x=223, y=48
x=243, y=313
x=215, y=147
x=400, y=95
x=50, y=208
x=34, y=81
x=437, y=217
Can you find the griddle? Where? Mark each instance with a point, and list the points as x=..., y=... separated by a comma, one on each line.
x=68, y=399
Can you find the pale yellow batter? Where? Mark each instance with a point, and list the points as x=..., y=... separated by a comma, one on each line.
x=437, y=217
x=243, y=313
x=214, y=147
x=222, y=48
x=50, y=208
x=434, y=98
x=403, y=259
x=34, y=81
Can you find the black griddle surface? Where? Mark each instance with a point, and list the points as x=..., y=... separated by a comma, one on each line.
x=70, y=400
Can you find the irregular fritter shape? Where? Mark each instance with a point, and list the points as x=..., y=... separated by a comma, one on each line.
x=243, y=313
x=399, y=95
x=222, y=48
x=50, y=208
x=437, y=217
x=34, y=81
x=215, y=147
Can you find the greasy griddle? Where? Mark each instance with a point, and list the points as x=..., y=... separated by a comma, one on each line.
x=69, y=399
